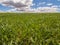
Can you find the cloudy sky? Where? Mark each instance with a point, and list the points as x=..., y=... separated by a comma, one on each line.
x=30, y=5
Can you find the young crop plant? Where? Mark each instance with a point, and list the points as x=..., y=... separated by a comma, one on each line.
x=29, y=28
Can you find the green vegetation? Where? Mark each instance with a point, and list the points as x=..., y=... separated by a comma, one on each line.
x=29, y=29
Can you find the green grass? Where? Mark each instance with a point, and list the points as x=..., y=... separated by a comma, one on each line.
x=29, y=29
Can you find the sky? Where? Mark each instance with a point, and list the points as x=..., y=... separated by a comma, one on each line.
x=29, y=5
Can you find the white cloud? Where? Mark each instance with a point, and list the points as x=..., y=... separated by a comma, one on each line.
x=24, y=5
x=49, y=4
x=33, y=4
x=39, y=9
x=44, y=9
x=55, y=6
x=11, y=10
x=47, y=9
x=17, y=3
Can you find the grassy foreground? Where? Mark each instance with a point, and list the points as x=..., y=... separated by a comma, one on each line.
x=29, y=29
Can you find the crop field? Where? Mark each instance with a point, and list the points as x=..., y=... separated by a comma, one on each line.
x=29, y=28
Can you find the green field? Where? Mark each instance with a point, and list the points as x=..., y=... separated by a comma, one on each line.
x=29, y=28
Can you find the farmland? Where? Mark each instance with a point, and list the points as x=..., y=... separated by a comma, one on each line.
x=29, y=28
